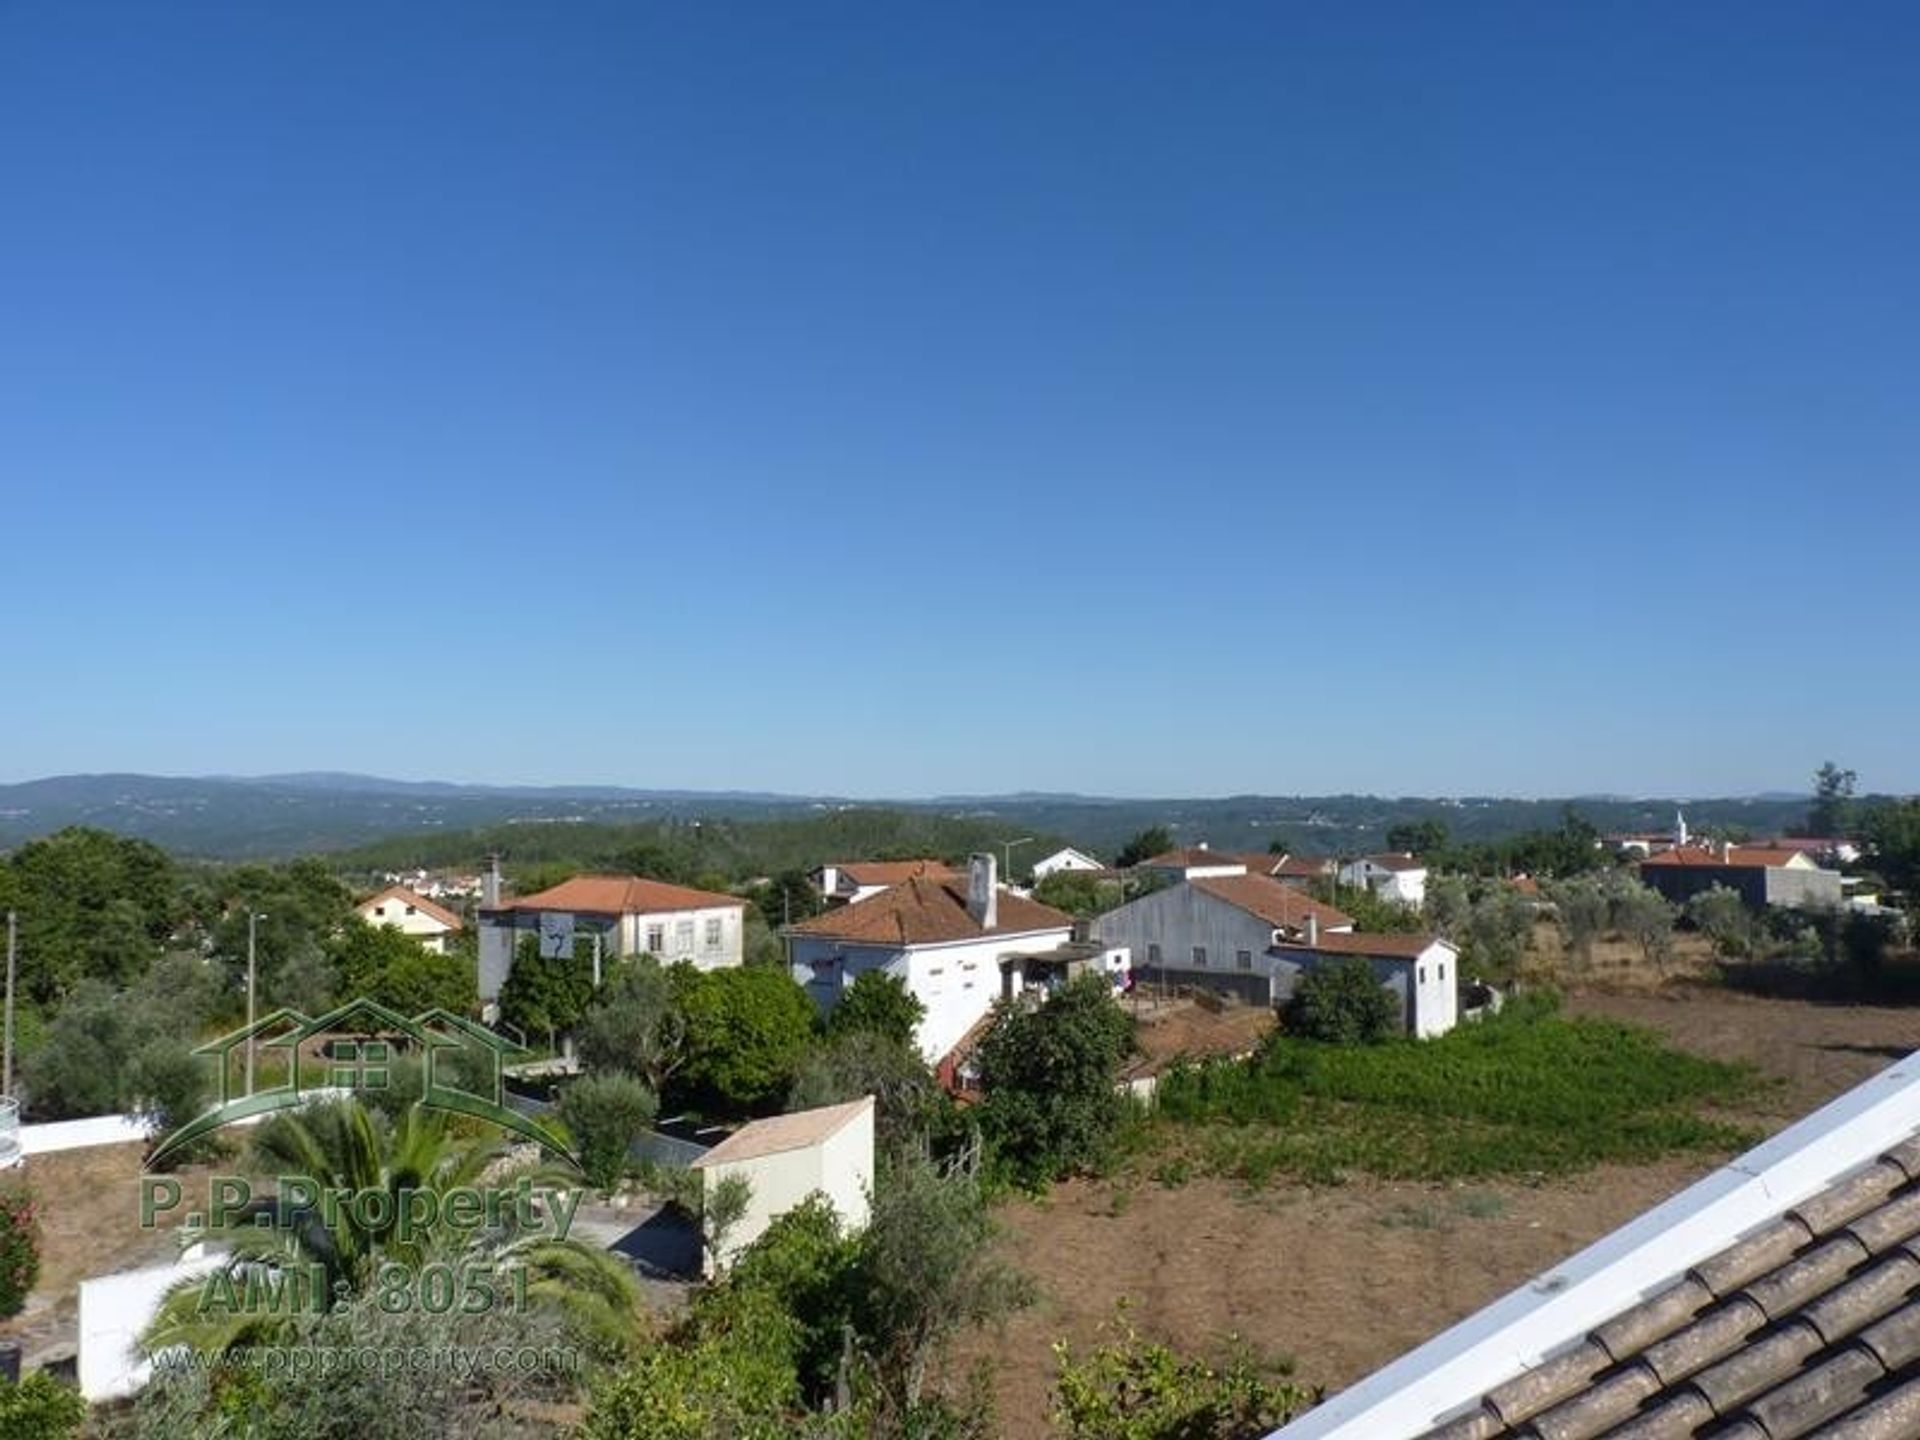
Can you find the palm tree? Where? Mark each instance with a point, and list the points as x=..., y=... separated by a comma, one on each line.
x=339, y=1146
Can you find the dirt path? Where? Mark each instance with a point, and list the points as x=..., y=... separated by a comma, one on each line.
x=1345, y=1279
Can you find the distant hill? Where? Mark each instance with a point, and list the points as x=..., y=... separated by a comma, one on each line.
x=280, y=815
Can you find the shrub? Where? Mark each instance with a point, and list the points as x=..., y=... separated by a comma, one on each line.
x=747, y=1031
x=19, y=1249
x=40, y=1408
x=1131, y=1388
x=1343, y=1003
x=605, y=1114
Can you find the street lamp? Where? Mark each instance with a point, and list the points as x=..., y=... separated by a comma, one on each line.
x=1006, y=847
x=253, y=923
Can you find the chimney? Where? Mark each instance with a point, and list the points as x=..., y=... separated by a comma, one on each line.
x=490, y=884
x=1201, y=846
x=983, y=891
x=1313, y=931
x=1726, y=852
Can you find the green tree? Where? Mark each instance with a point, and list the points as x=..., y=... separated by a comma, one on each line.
x=605, y=1114
x=1583, y=909
x=880, y=1004
x=746, y=1033
x=1448, y=907
x=169, y=1086
x=91, y=905
x=928, y=1268
x=635, y=1025
x=1643, y=915
x=1832, y=812
x=1049, y=1074
x=1722, y=916
x=1154, y=840
x=545, y=994
x=1342, y=1002
x=787, y=899
x=1499, y=928
x=910, y=1109
x=1077, y=892
x=381, y=963
x=1418, y=837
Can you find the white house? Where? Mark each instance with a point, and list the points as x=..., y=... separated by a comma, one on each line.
x=617, y=915
x=1395, y=876
x=943, y=938
x=1252, y=937
x=1218, y=933
x=826, y=1151
x=1422, y=972
x=1067, y=859
x=847, y=881
x=412, y=914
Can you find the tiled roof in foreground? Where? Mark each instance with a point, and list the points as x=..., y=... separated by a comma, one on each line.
x=1809, y=1325
x=1778, y=1297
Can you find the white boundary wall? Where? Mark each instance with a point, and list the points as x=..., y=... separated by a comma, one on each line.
x=114, y=1309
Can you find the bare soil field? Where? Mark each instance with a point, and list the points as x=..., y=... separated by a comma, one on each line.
x=1343, y=1279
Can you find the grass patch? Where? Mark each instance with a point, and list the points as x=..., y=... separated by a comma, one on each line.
x=1527, y=1093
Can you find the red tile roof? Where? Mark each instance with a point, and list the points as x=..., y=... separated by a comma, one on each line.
x=1279, y=905
x=1303, y=867
x=621, y=895
x=928, y=911
x=1386, y=945
x=1744, y=856
x=419, y=902
x=892, y=872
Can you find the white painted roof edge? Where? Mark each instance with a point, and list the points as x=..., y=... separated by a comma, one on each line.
x=1450, y=1373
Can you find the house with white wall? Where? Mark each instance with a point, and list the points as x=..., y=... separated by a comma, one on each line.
x=786, y=1159
x=844, y=882
x=943, y=938
x=412, y=914
x=1421, y=972
x=1218, y=933
x=1066, y=859
x=1395, y=876
x=618, y=915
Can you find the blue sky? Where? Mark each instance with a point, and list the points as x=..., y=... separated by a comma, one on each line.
x=893, y=399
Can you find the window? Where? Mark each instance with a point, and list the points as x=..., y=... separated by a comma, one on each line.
x=656, y=939
x=1423, y=974
x=1244, y=959
x=683, y=937
x=379, y=911
x=1200, y=956
x=410, y=910
x=1442, y=972
x=713, y=932
x=1153, y=954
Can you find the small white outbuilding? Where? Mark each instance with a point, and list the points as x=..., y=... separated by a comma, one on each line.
x=785, y=1159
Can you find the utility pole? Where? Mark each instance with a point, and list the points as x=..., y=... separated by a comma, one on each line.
x=6, y=1064
x=252, y=936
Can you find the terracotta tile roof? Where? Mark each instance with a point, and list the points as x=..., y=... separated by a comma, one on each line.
x=1807, y=1325
x=1386, y=945
x=1743, y=856
x=1396, y=860
x=1279, y=905
x=1188, y=858
x=1304, y=867
x=784, y=1132
x=419, y=902
x=927, y=911
x=892, y=872
x=621, y=895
